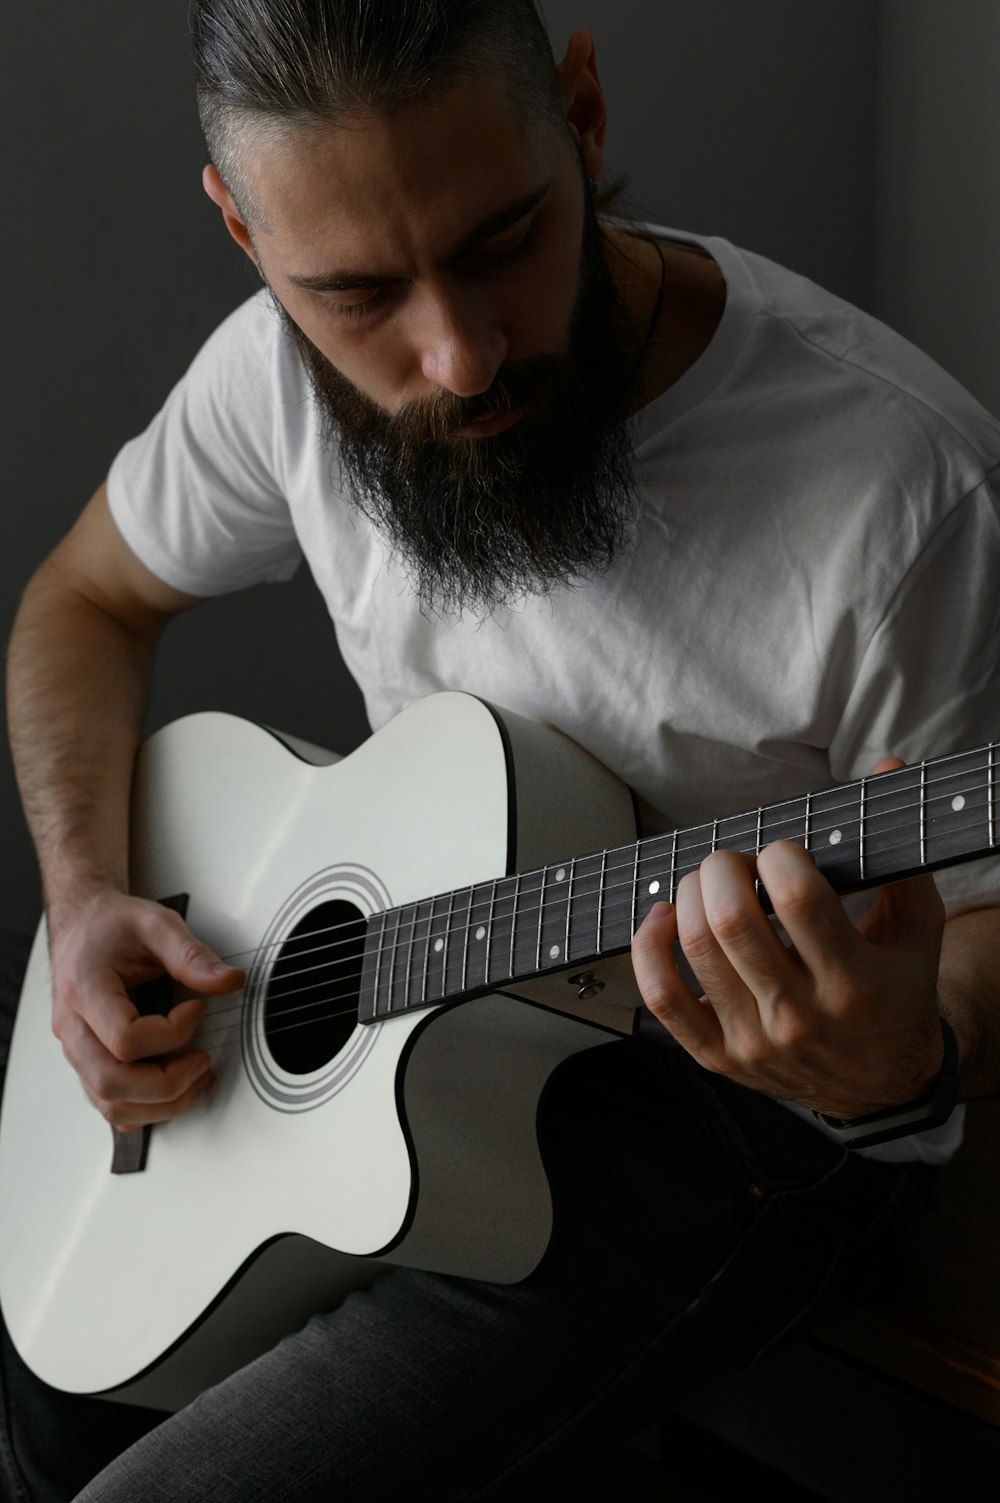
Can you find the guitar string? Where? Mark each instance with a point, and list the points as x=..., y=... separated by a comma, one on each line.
x=417, y=932
x=237, y=1009
x=647, y=853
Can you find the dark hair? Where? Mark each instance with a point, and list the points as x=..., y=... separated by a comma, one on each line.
x=272, y=65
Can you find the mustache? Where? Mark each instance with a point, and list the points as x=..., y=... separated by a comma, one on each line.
x=531, y=386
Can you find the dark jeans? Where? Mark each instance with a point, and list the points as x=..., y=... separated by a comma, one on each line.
x=696, y=1225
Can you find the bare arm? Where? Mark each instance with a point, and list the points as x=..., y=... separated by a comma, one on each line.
x=969, y=989
x=78, y=672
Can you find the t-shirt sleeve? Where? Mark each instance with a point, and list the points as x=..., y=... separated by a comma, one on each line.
x=199, y=496
x=930, y=680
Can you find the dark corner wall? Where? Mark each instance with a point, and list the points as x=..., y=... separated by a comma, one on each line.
x=752, y=119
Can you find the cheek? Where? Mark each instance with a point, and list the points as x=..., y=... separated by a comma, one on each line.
x=543, y=301
x=370, y=360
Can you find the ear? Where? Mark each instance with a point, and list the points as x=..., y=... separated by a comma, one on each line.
x=583, y=100
x=223, y=199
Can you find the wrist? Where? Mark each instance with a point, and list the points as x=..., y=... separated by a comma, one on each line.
x=75, y=891
x=930, y=1109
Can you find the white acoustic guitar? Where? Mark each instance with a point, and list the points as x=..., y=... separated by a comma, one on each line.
x=422, y=949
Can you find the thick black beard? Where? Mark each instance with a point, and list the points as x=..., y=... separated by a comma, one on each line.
x=483, y=523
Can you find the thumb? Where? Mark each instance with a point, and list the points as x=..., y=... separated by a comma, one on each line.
x=193, y=963
x=908, y=910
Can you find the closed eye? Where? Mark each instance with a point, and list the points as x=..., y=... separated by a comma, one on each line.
x=364, y=305
x=508, y=246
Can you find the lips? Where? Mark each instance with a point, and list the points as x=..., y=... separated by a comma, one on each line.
x=491, y=424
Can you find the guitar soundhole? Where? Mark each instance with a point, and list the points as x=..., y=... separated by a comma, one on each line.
x=311, y=1007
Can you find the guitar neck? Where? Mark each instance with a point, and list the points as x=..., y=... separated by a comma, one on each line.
x=879, y=829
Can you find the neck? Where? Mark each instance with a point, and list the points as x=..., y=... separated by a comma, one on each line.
x=692, y=305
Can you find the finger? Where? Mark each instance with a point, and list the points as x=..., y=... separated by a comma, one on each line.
x=186, y=958
x=110, y=1082
x=156, y=1034
x=128, y=1115
x=728, y=938
x=910, y=914
x=810, y=912
x=664, y=990
x=104, y=1005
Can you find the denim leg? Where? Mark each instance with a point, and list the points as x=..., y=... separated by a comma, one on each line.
x=51, y=1443
x=695, y=1224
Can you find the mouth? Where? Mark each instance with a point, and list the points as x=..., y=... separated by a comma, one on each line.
x=491, y=424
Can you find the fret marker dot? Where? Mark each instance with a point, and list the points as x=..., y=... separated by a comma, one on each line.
x=836, y=836
x=561, y=874
x=654, y=887
x=439, y=945
x=958, y=802
x=480, y=932
x=554, y=952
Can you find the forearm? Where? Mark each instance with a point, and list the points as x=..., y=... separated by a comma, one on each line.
x=969, y=992
x=77, y=684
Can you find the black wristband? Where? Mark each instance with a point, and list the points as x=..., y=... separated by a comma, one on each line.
x=932, y=1109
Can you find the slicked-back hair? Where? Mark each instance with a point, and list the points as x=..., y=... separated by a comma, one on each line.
x=270, y=66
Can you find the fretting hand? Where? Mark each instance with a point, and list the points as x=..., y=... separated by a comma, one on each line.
x=843, y=1019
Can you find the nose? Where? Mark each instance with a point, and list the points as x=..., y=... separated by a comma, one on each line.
x=461, y=343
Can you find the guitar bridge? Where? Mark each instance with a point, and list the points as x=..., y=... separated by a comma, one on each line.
x=156, y=996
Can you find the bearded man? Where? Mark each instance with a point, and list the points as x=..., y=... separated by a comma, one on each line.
x=728, y=533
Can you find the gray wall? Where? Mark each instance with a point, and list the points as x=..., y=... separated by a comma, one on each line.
x=754, y=119
x=938, y=221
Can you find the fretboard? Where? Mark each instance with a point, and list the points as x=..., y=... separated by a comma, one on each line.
x=476, y=939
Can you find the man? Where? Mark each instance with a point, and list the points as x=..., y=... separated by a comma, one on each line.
x=723, y=530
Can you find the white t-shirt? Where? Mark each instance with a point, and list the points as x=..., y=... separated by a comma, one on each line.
x=813, y=583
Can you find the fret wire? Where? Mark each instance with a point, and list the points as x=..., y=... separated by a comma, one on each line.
x=513, y=919
x=409, y=958
x=757, y=883
x=489, y=930
x=465, y=944
x=715, y=835
x=447, y=936
x=673, y=867
x=635, y=886
x=990, y=793
x=861, y=831
x=569, y=906
x=541, y=912
x=392, y=963
x=600, y=899
x=808, y=830
x=378, y=955
x=427, y=952
x=923, y=813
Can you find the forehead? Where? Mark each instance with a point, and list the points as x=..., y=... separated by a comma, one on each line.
x=397, y=184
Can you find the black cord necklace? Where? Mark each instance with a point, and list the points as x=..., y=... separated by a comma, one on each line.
x=657, y=309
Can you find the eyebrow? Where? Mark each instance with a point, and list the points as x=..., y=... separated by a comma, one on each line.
x=493, y=224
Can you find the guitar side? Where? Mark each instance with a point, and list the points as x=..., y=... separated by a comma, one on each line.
x=415, y=1143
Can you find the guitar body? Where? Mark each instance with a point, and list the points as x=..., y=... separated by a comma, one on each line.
x=324, y=1153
